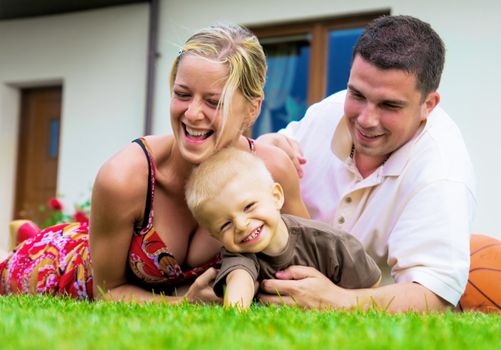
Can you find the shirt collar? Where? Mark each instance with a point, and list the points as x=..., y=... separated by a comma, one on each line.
x=341, y=140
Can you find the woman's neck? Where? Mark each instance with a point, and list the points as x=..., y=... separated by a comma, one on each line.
x=172, y=169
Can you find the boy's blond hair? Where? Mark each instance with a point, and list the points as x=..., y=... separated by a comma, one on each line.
x=210, y=177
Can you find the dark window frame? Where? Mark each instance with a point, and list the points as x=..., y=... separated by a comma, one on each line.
x=317, y=30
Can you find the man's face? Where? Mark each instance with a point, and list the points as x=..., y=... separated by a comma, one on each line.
x=384, y=109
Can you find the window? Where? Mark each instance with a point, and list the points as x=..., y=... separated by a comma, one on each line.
x=307, y=61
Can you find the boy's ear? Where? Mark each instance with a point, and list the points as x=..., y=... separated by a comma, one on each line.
x=278, y=195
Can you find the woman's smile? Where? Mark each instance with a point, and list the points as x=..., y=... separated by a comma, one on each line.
x=196, y=135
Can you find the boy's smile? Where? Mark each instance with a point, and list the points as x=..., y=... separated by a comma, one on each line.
x=253, y=235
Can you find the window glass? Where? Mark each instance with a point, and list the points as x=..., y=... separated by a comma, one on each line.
x=54, y=138
x=340, y=48
x=288, y=89
x=286, y=86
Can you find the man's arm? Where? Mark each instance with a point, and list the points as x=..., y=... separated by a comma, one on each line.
x=315, y=125
x=240, y=289
x=308, y=288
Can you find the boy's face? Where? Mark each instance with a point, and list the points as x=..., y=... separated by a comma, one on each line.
x=244, y=215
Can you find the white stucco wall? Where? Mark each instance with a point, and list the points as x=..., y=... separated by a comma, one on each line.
x=100, y=59
x=470, y=84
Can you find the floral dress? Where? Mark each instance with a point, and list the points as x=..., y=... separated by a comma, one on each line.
x=57, y=260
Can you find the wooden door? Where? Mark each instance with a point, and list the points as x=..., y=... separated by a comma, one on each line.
x=38, y=152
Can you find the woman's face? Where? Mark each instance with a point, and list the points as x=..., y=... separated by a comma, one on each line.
x=196, y=121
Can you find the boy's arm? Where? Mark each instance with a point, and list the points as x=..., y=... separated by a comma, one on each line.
x=375, y=285
x=240, y=289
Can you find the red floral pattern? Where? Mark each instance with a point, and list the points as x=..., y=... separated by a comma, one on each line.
x=55, y=261
x=149, y=258
x=152, y=263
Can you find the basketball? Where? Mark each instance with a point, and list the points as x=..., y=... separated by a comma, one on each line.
x=483, y=290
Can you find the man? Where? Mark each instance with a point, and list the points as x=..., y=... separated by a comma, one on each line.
x=388, y=165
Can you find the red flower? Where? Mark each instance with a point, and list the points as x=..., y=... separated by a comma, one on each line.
x=55, y=204
x=81, y=217
x=26, y=231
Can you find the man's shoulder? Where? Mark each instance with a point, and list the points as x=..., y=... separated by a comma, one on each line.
x=442, y=147
x=436, y=155
x=336, y=99
x=442, y=126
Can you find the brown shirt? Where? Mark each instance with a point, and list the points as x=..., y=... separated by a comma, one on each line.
x=336, y=254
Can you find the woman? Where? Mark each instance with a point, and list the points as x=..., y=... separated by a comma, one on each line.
x=145, y=244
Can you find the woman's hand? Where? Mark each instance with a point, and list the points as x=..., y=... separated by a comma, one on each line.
x=201, y=291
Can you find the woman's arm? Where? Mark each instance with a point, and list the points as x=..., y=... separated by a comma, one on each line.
x=283, y=171
x=117, y=201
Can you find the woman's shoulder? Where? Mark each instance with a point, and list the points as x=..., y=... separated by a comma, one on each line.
x=276, y=160
x=126, y=171
x=283, y=171
x=125, y=165
x=120, y=186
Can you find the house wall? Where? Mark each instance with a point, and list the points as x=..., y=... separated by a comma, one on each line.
x=100, y=59
x=470, y=85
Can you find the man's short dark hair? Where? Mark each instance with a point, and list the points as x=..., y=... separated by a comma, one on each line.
x=407, y=43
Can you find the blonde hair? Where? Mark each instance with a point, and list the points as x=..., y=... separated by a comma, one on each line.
x=207, y=180
x=240, y=50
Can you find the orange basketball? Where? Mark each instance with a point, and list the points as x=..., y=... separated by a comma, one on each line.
x=483, y=290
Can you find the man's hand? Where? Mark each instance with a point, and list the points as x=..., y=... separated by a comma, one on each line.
x=305, y=287
x=289, y=146
x=201, y=291
x=308, y=288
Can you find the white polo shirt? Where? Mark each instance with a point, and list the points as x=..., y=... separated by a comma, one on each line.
x=413, y=214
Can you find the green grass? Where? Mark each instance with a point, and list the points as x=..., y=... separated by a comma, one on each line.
x=55, y=323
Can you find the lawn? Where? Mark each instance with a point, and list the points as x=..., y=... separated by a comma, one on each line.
x=56, y=323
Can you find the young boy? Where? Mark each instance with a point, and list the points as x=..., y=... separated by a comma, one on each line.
x=234, y=197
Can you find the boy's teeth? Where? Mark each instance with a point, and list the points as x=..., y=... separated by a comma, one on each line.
x=253, y=235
